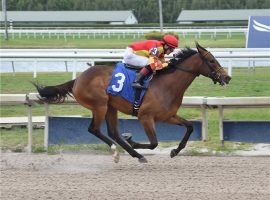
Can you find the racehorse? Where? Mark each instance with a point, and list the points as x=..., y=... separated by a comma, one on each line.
x=160, y=104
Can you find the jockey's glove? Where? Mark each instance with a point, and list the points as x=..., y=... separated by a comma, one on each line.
x=165, y=65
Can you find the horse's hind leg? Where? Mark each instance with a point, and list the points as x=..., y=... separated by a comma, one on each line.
x=111, y=119
x=94, y=128
x=182, y=122
x=149, y=128
x=110, y=116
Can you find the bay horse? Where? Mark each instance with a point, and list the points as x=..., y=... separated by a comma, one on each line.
x=160, y=104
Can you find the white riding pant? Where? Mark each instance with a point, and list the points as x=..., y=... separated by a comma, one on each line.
x=133, y=59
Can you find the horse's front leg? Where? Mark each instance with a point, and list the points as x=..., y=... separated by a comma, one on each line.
x=149, y=127
x=181, y=122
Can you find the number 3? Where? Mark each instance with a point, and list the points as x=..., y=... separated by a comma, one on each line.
x=120, y=82
x=155, y=52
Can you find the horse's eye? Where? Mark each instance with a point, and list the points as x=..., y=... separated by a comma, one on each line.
x=212, y=61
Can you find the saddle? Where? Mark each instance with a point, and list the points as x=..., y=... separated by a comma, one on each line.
x=120, y=85
x=132, y=67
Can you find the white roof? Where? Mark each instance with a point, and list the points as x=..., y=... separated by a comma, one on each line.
x=68, y=16
x=220, y=15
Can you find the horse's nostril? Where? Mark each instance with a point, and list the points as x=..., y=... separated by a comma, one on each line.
x=227, y=79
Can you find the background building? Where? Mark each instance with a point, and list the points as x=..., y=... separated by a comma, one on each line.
x=95, y=17
x=204, y=16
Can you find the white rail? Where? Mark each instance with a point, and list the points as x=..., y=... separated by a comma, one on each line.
x=118, y=53
x=196, y=102
x=126, y=31
x=113, y=55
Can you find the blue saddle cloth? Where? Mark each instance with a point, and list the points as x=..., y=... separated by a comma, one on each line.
x=120, y=84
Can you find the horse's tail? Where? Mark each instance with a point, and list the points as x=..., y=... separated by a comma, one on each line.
x=54, y=94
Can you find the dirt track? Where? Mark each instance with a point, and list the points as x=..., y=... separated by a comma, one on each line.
x=81, y=176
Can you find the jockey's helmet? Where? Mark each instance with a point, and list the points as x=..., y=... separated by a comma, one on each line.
x=171, y=41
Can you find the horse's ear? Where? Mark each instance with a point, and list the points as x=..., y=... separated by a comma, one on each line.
x=200, y=48
x=197, y=44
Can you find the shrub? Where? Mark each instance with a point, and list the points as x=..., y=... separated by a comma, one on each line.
x=155, y=35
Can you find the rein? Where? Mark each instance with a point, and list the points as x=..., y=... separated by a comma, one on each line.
x=213, y=72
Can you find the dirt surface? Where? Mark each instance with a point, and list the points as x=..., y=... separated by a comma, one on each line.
x=82, y=176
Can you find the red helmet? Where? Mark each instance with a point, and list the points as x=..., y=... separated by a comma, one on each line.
x=171, y=41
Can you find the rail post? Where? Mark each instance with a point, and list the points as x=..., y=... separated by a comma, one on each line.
x=221, y=136
x=35, y=69
x=204, y=123
x=74, y=69
x=46, y=129
x=230, y=67
x=13, y=68
x=30, y=129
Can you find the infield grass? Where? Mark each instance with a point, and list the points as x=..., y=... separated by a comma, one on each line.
x=222, y=40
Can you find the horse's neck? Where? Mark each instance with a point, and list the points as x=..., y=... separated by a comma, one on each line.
x=184, y=80
x=174, y=85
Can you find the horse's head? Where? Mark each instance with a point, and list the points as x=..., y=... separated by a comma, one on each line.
x=211, y=67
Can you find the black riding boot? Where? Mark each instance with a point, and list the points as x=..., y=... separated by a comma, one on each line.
x=138, y=82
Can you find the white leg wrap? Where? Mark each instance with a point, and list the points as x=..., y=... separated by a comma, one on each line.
x=116, y=155
x=113, y=147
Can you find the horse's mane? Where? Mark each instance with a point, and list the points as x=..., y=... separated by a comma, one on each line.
x=178, y=58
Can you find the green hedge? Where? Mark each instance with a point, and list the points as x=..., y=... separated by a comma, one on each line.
x=155, y=35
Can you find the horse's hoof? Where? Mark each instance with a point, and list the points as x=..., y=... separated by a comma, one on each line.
x=116, y=155
x=173, y=153
x=127, y=136
x=142, y=160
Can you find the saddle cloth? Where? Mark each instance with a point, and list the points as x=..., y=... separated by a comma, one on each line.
x=120, y=84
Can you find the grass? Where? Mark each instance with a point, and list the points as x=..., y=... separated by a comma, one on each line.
x=117, y=41
x=244, y=83
x=15, y=139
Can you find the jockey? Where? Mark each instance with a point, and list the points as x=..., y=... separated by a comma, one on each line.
x=149, y=54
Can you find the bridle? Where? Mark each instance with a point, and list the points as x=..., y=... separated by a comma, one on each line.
x=214, y=73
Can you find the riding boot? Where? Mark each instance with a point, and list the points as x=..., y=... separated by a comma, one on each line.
x=137, y=83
